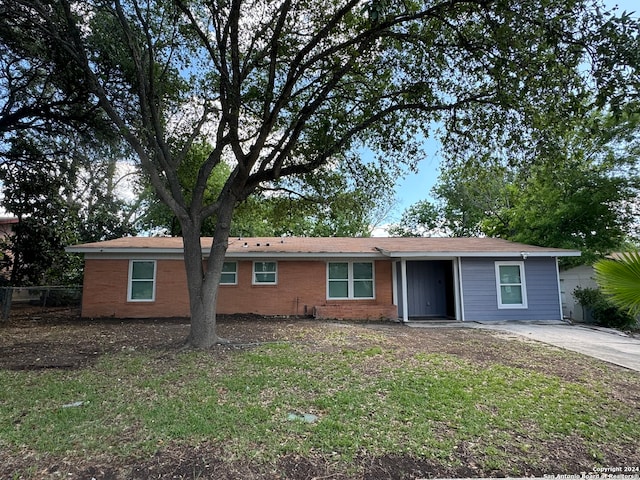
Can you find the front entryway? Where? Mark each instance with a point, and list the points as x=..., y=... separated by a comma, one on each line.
x=430, y=289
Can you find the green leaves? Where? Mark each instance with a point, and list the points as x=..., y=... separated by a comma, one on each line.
x=420, y=219
x=620, y=279
x=577, y=191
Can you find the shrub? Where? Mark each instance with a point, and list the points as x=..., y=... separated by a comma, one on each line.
x=603, y=311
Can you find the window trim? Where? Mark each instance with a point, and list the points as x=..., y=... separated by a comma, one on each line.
x=235, y=274
x=131, y=280
x=350, y=280
x=522, y=285
x=254, y=280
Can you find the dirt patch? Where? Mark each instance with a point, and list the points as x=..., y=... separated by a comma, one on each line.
x=58, y=339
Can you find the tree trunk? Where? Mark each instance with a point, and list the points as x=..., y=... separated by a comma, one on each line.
x=203, y=283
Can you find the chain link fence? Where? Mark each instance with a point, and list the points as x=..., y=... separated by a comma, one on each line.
x=15, y=300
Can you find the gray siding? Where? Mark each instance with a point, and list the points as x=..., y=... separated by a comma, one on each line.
x=480, y=295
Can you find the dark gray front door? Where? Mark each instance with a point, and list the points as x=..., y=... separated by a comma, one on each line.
x=429, y=288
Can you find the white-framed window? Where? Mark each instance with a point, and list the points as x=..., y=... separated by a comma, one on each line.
x=350, y=280
x=229, y=273
x=142, y=281
x=511, y=286
x=265, y=273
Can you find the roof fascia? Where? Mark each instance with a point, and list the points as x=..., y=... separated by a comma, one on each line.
x=303, y=255
x=124, y=250
x=479, y=254
x=98, y=253
x=133, y=256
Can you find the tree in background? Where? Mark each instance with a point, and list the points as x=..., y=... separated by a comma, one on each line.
x=60, y=197
x=421, y=219
x=330, y=202
x=57, y=164
x=32, y=192
x=102, y=193
x=579, y=192
x=284, y=88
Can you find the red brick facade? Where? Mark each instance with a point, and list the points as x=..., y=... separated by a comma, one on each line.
x=301, y=290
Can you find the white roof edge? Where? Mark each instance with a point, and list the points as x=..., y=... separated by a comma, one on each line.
x=374, y=254
x=303, y=254
x=127, y=250
x=131, y=252
x=481, y=254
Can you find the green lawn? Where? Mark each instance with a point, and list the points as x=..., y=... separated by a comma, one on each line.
x=370, y=399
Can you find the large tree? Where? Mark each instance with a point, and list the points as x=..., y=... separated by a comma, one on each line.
x=283, y=88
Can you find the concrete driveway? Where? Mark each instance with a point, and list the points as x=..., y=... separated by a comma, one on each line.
x=603, y=343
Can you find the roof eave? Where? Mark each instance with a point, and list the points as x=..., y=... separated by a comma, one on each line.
x=132, y=251
x=127, y=250
x=394, y=254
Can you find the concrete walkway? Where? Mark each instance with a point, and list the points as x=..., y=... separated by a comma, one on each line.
x=603, y=343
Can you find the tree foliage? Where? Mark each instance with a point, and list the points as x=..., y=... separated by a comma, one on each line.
x=59, y=198
x=420, y=219
x=43, y=92
x=284, y=88
x=579, y=192
x=54, y=142
x=329, y=202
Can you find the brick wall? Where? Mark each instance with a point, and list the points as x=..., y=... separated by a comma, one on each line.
x=301, y=290
x=105, y=291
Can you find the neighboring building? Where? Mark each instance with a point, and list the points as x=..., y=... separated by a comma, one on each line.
x=467, y=279
x=6, y=226
x=570, y=279
x=582, y=276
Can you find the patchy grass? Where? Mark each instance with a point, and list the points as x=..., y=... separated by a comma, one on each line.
x=373, y=398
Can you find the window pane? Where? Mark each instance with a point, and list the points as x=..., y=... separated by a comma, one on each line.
x=363, y=289
x=142, y=270
x=264, y=266
x=141, y=290
x=339, y=271
x=509, y=274
x=363, y=271
x=228, y=267
x=228, y=278
x=338, y=289
x=229, y=273
x=265, y=278
x=511, y=295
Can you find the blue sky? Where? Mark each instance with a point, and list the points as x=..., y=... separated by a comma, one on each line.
x=415, y=187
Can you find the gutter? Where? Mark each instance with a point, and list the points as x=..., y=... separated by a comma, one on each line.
x=449, y=254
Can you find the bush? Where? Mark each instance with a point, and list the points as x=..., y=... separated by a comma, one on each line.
x=60, y=297
x=603, y=311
